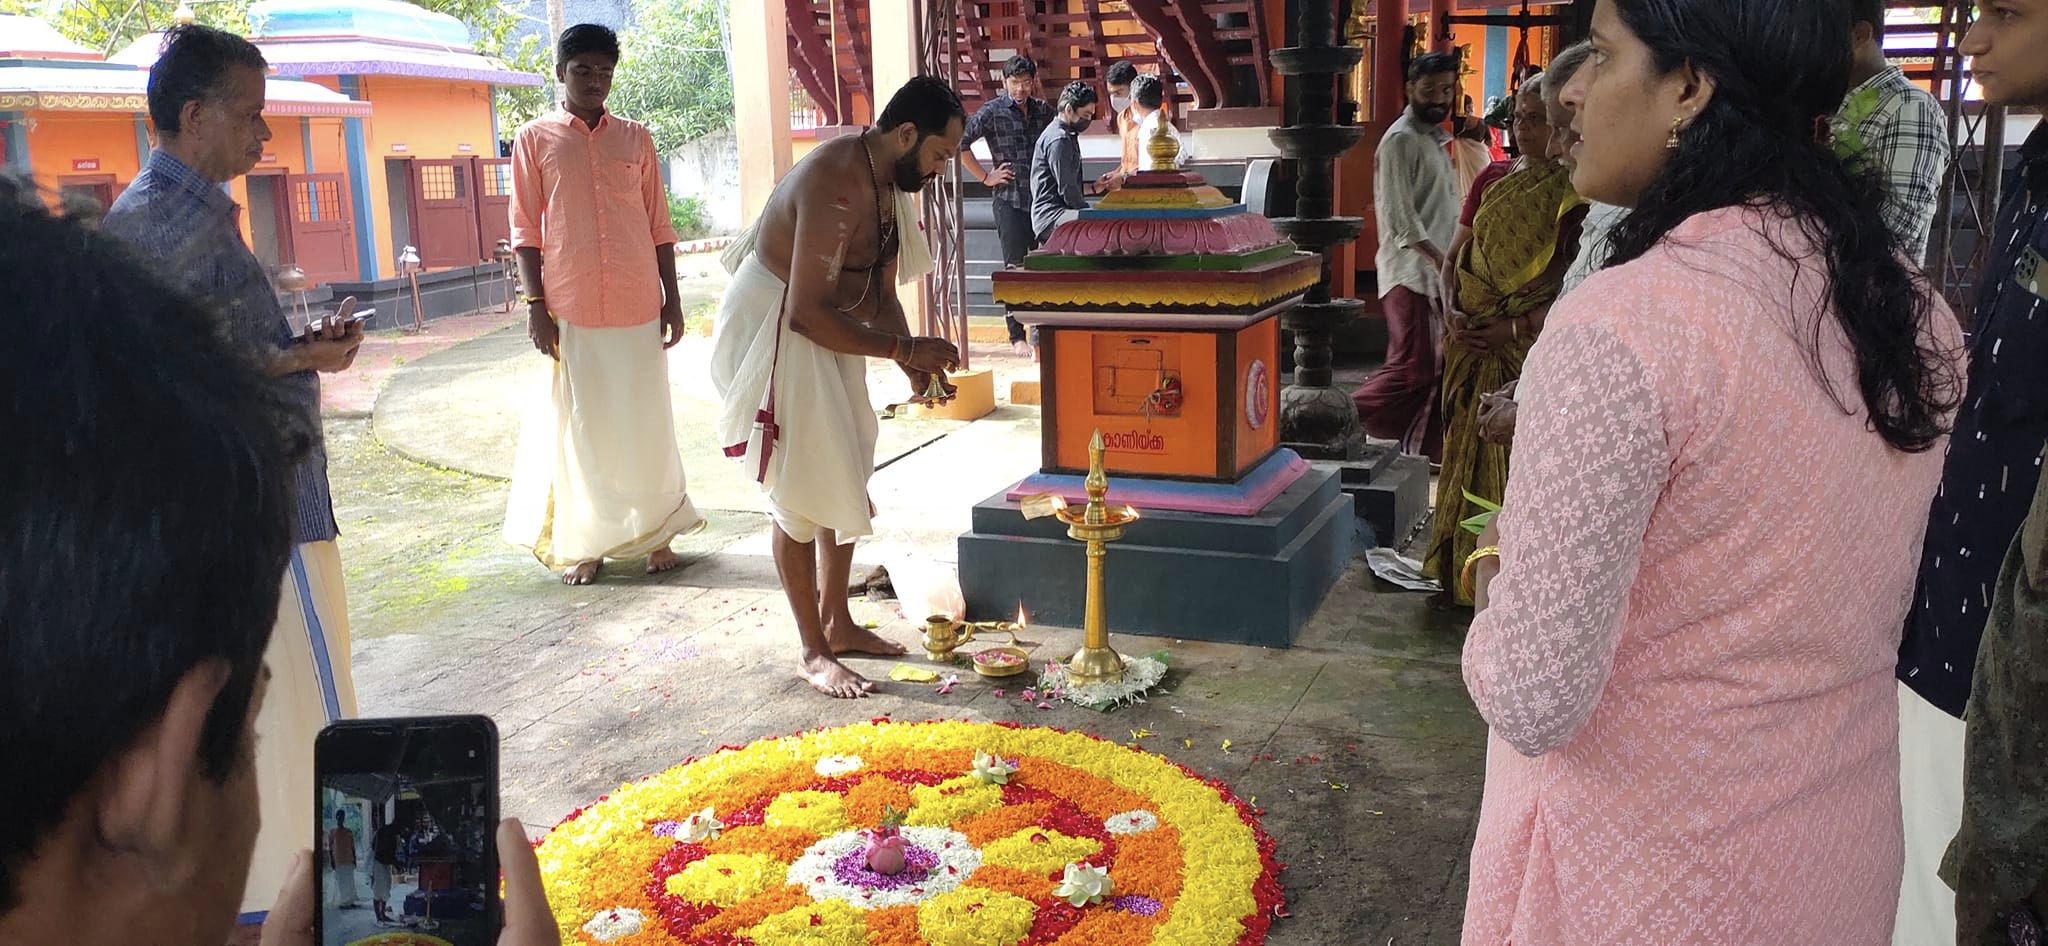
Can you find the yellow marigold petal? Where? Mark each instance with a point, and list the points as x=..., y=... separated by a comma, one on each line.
x=820, y=813
x=831, y=923
x=726, y=879
x=1039, y=850
x=952, y=800
x=972, y=916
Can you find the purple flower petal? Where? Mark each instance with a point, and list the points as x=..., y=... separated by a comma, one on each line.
x=1133, y=903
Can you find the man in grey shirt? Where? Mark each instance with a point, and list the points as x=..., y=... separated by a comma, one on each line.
x=1415, y=199
x=1058, y=193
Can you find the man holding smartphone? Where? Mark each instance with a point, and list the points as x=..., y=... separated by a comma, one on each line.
x=206, y=95
x=1011, y=123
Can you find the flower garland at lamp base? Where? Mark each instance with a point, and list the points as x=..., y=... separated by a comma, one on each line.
x=1141, y=674
x=1010, y=836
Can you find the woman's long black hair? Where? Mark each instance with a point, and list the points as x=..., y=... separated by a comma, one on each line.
x=1779, y=68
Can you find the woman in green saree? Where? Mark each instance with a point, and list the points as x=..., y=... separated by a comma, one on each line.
x=1502, y=280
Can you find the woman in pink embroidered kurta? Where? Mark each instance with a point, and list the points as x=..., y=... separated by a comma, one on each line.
x=1708, y=540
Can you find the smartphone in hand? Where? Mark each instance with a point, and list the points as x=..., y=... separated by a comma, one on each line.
x=406, y=813
x=344, y=315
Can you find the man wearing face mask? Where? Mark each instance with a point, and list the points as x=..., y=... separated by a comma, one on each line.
x=1415, y=198
x=1057, y=194
x=1119, y=80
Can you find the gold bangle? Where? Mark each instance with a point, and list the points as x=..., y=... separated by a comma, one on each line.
x=1491, y=551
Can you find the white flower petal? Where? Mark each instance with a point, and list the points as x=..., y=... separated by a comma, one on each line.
x=1137, y=821
x=616, y=923
x=833, y=766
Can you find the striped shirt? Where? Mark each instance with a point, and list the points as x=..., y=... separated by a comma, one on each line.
x=184, y=225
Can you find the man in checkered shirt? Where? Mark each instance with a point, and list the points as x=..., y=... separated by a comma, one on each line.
x=1903, y=131
x=206, y=96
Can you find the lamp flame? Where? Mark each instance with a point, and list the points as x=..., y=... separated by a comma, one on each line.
x=1022, y=621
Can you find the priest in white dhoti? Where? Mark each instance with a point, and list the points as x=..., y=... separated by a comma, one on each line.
x=598, y=475
x=813, y=295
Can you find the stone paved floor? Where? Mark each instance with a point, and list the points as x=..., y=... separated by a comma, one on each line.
x=1359, y=742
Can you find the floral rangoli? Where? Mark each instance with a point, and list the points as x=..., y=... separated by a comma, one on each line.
x=1002, y=836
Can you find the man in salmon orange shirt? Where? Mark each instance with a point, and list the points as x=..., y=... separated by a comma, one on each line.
x=598, y=475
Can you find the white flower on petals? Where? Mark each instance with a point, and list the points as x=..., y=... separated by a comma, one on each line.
x=1131, y=822
x=1084, y=884
x=833, y=766
x=616, y=923
x=701, y=827
x=992, y=769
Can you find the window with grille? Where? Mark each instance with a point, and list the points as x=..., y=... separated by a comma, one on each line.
x=314, y=201
x=497, y=178
x=440, y=182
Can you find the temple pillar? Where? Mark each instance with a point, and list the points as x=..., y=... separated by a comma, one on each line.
x=1317, y=419
x=760, y=72
x=1389, y=73
x=1439, y=26
x=894, y=29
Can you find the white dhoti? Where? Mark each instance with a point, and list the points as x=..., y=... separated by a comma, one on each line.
x=815, y=466
x=1931, y=798
x=310, y=686
x=598, y=474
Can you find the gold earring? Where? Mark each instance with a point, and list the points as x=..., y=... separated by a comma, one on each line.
x=1671, y=143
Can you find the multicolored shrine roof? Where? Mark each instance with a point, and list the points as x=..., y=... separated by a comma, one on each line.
x=71, y=86
x=1164, y=242
x=372, y=38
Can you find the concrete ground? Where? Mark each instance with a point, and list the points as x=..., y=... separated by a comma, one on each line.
x=1359, y=742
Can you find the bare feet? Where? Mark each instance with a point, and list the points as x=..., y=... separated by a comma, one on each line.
x=581, y=573
x=664, y=559
x=845, y=636
x=828, y=676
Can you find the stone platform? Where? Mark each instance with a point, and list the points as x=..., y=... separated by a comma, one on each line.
x=1231, y=579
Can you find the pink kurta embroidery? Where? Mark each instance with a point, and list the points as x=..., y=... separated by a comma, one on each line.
x=1687, y=664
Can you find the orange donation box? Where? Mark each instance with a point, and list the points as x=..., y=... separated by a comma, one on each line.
x=1158, y=320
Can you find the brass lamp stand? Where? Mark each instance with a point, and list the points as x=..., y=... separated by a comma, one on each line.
x=1097, y=525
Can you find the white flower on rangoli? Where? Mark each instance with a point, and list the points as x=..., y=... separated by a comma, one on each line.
x=616, y=923
x=1131, y=822
x=833, y=869
x=833, y=766
x=1084, y=884
x=702, y=826
x=992, y=769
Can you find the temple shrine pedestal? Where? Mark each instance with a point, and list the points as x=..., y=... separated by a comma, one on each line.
x=1158, y=324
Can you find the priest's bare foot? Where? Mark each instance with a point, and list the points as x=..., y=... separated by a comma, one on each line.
x=664, y=559
x=581, y=573
x=846, y=636
x=828, y=676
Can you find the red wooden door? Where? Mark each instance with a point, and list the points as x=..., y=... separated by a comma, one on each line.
x=444, y=202
x=323, y=232
x=494, y=202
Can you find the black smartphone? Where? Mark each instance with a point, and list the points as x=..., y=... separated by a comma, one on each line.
x=407, y=813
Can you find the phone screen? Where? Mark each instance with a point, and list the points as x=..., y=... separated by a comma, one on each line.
x=408, y=816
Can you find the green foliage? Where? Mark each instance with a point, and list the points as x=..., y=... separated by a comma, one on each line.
x=686, y=214
x=1477, y=524
x=675, y=78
